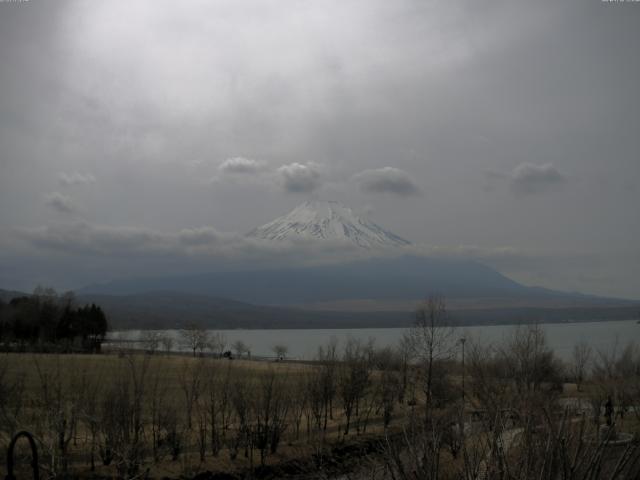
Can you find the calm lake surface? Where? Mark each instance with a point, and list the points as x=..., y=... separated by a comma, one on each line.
x=303, y=344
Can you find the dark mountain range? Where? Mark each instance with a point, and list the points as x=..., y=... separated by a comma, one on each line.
x=393, y=277
x=404, y=277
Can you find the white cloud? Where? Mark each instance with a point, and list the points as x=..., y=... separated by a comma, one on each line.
x=387, y=180
x=293, y=177
x=60, y=202
x=75, y=178
x=300, y=178
x=241, y=165
x=532, y=178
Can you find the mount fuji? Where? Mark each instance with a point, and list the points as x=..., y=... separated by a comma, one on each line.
x=327, y=220
x=332, y=293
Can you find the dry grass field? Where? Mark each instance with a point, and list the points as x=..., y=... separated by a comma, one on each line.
x=173, y=415
x=132, y=414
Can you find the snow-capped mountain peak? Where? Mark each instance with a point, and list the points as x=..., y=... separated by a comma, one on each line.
x=327, y=220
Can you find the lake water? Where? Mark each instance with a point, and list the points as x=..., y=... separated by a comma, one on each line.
x=303, y=344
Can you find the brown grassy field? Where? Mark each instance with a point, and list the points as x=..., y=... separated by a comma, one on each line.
x=131, y=415
x=178, y=415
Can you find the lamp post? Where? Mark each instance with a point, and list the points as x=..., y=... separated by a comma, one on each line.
x=462, y=441
x=462, y=342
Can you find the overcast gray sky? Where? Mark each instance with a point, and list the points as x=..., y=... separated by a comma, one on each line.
x=147, y=136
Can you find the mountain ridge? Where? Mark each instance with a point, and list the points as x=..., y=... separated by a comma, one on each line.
x=405, y=277
x=387, y=274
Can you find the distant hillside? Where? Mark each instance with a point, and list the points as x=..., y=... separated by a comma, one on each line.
x=7, y=295
x=174, y=310
x=399, y=278
x=153, y=310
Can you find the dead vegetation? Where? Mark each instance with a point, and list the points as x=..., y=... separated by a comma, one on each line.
x=363, y=412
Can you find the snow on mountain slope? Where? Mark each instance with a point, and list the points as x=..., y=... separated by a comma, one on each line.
x=327, y=220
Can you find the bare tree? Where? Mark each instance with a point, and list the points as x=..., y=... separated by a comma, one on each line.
x=191, y=383
x=217, y=406
x=157, y=406
x=61, y=407
x=89, y=415
x=123, y=417
x=405, y=355
x=271, y=405
x=580, y=358
x=521, y=432
x=280, y=351
x=150, y=341
x=240, y=389
x=353, y=379
x=11, y=407
x=316, y=401
x=217, y=343
x=432, y=340
x=616, y=373
x=299, y=394
x=325, y=386
x=529, y=360
x=628, y=388
x=240, y=348
x=388, y=388
x=167, y=342
x=195, y=338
